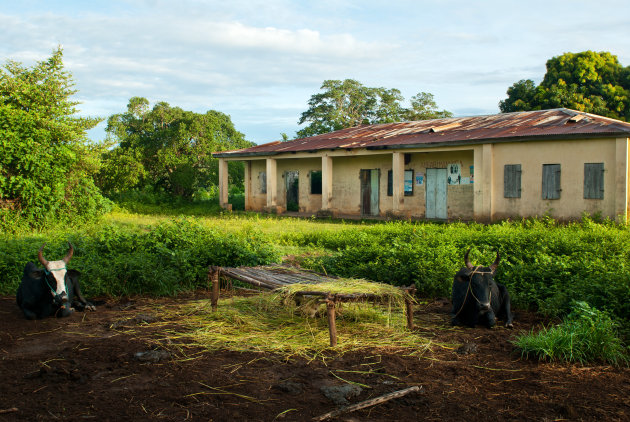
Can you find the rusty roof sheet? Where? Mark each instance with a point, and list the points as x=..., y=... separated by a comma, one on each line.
x=542, y=124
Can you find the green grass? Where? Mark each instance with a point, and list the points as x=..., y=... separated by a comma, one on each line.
x=586, y=335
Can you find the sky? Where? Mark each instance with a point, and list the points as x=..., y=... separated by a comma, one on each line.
x=260, y=61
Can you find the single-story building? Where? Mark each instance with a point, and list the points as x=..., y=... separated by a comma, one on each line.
x=558, y=162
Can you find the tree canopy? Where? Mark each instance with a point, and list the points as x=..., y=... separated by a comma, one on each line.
x=348, y=103
x=587, y=81
x=168, y=148
x=46, y=161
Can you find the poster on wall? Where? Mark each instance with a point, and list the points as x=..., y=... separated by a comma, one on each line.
x=419, y=179
x=454, y=174
x=408, y=182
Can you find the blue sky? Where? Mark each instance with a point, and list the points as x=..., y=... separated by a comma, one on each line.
x=260, y=61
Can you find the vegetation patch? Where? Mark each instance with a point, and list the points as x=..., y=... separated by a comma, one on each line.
x=586, y=335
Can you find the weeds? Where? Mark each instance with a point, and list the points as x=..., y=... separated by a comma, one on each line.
x=586, y=335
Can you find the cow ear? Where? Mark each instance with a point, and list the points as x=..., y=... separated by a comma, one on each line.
x=36, y=274
x=73, y=274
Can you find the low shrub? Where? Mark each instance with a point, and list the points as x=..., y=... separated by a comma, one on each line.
x=162, y=260
x=586, y=335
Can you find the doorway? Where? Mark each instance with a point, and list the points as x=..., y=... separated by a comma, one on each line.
x=292, y=183
x=436, y=194
x=369, y=191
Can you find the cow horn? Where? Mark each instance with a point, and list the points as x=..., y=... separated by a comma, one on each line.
x=495, y=264
x=468, y=264
x=41, y=258
x=68, y=256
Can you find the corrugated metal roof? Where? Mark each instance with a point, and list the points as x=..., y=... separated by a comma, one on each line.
x=556, y=123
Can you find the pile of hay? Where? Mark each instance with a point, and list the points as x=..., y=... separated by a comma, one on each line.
x=272, y=322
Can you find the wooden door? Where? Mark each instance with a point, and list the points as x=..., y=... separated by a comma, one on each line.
x=291, y=179
x=436, y=194
x=369, y=192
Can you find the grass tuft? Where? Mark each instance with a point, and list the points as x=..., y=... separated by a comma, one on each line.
x=586, y=335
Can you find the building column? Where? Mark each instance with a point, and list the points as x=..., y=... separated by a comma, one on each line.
x=272, y=184
x=483, y=206
x=327, y=176
x=621, y=180
x=248, y=185
x=398, y=181
x=223, y=184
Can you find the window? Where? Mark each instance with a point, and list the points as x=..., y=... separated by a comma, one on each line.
x=593, y=180
x=262, y=179
x=512, y=181
x=408, y=182
x=551, y=181
x=316, y=182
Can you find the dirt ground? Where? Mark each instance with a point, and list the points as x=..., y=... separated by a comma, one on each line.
x=86, y=367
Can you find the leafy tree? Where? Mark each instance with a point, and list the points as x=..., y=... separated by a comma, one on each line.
x=349, y=103
x=46, y=161
x=168, y=148
x=587, y=81
x=424, y=107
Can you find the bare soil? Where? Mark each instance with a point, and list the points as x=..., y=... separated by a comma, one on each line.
x=85, y=367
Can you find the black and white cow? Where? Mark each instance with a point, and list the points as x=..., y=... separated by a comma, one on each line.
x=477, y=298
x=54, y=290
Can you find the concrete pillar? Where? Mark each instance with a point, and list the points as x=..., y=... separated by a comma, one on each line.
x=248, y=185
x=483, y=204
x=488, y=181
x=398, y=181
x=327, y=176
x=223, y=183
x=272, y=183
x=621, y=180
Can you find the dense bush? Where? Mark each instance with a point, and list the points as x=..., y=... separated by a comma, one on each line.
x=544, y=265
x=47, y=163
x=161, y=260
x=586, y=335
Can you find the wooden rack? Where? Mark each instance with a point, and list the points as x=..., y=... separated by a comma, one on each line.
x=274, y=277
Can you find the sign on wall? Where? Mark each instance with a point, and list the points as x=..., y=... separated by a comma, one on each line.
x=419, y=179
x=454, y=174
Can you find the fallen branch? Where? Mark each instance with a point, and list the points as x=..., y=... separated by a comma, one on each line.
x=10, y=410
x=368, y=403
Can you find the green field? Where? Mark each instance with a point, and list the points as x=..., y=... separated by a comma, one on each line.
x=545, y=265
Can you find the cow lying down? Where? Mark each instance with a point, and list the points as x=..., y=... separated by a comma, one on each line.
x=477, y=298
x=53, y=290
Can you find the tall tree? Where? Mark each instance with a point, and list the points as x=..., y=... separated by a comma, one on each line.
x=46, y=160
x=168, y=147
x=349, y=103
x=587, y=81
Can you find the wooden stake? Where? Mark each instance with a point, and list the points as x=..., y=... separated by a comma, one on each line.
x=409, y=313
x=213, y=275
x=409, y=292
x=332, y=327
x=368, y=403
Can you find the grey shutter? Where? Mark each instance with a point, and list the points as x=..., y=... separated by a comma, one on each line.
x=512, y=181
x=593, y=180
x=551, y=181
x=390, y=183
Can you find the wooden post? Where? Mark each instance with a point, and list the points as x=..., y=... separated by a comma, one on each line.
x=409, y=292
x=332, y=327
x=213, y=276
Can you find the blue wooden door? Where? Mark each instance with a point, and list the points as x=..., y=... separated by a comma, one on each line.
x=436, y=194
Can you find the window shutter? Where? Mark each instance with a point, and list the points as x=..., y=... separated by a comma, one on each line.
x=593, y=180
x=551, y=181
x=512, y=181
x=390, y=183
